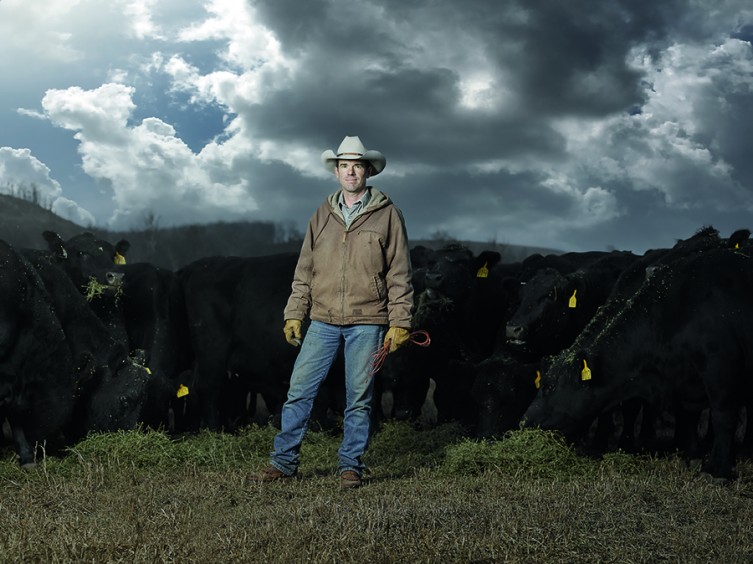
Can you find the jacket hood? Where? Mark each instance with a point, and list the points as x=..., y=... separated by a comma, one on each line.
x=378, y=200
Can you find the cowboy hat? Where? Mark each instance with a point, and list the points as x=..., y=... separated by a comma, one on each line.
x=352, y=149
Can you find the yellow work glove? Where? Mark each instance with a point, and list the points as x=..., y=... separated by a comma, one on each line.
x=396, y=337
x=292, y=331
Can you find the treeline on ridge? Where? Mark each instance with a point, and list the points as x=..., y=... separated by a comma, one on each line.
x=22, y=222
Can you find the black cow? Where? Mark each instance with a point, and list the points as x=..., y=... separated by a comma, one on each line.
x=153, y=309
x=234, y=308
x=143, y=307
x=498, y=299
x=705, y=239
x=554, y=306
x=503, y=388
x=683, y=341
x=90, y=263
x=111, y=386
x=556, y=303
x=450, y=277
x=47, y=398
x=501, y=381
x=37, y=380
x=504, y=383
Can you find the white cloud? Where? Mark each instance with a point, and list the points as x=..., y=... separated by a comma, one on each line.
x=71, y=211
x=140, y=14
x=36, y=28
x=670, y=148
x=102, y=112
x=148, y=167
x=25, y=176
x=454, y=97
x=481, y=91
x=591, y=206
x=249, y=45
x=255, y=63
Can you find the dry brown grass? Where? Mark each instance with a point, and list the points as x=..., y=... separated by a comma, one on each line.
x=432, y=496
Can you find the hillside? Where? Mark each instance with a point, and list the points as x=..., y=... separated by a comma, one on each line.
x=22, y=224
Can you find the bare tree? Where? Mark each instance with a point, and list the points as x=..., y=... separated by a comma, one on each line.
x=151, y=229
x=442, y=237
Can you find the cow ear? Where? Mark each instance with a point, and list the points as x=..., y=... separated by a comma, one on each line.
x=55, y=244
x=122, y=247
x=488, y=258
x=738, y=238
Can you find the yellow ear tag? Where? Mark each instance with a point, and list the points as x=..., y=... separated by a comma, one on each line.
x=182, y=391
x=537, y=381
x=483, y=272
x=573, y=303
x=585, y=374
x=118, y=258
x=147, y=370
x=737, y=245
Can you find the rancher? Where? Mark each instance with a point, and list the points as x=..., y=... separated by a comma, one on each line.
x=353, y=279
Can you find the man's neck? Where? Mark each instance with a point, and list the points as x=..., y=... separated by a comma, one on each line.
x=351, y=198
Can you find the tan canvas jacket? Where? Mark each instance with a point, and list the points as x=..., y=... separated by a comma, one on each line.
x=360, y=275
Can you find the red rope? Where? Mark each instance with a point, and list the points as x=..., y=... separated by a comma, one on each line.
x=420, y=338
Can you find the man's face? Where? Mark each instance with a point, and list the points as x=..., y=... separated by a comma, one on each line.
x=352, y=175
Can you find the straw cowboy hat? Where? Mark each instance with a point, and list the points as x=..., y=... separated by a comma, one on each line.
x=352, y=149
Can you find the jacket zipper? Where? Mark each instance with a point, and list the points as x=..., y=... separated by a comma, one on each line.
x=342, y=275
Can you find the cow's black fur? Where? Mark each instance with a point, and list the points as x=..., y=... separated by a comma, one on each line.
x=683, y=341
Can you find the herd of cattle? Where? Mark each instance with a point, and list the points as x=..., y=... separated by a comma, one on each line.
x=575, y=342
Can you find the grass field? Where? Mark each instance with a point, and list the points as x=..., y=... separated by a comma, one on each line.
x=431, y=496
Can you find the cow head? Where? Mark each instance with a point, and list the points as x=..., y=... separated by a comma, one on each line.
x=448, y=272
x=545, y=301
x=502, y=390
x=115, y=400
x=571, y=393
x=89, y=260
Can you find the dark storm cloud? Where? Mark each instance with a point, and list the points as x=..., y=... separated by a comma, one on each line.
x=413, y=114
x=573, y=125
x=365, y=75
x=561, y=57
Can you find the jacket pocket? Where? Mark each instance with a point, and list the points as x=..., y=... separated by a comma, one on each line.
x=380, y=288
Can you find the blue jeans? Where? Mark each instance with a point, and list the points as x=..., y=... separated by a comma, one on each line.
x=318, y=351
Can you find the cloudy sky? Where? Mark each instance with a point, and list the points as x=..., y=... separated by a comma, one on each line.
x=577, y=125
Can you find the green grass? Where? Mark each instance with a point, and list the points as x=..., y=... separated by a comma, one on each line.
x=431, y=496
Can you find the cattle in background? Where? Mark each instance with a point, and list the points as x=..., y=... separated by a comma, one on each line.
x=143, y=307
x=503, y=388
x=421, y=259
x=234, y=307
x=450, y=276
x=705, y=239
x=37, y=380
x=506, y=287
x=111, y=386
x=153, y=307
x=464, y=307
x=505, y=382
x=90, y=263
x=683, y=341
x=46, y=397
x=555, y=306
